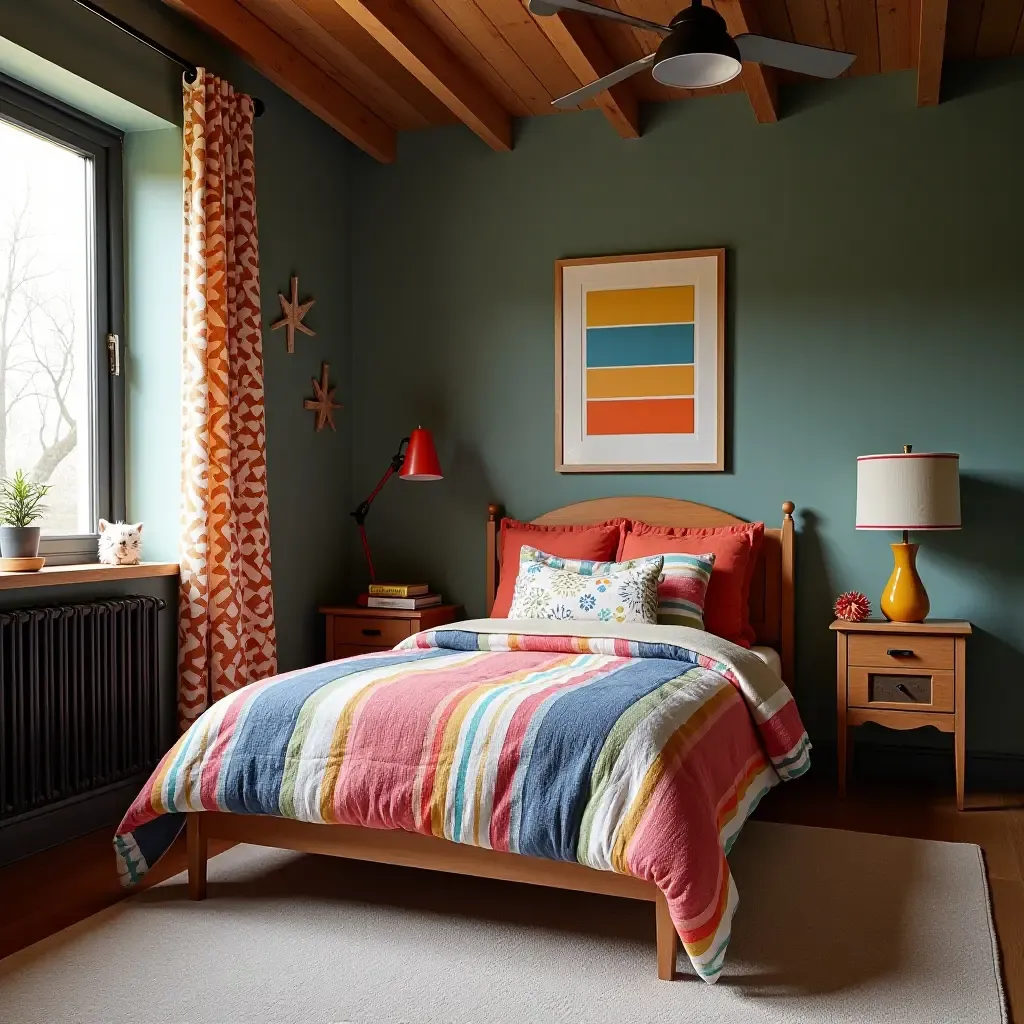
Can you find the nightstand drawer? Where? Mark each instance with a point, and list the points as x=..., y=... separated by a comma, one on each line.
x=905, y=690
x=372, y=631
x=901, y=651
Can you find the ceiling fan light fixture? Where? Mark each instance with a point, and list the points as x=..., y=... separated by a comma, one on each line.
x=696, y=70
x=699, y=54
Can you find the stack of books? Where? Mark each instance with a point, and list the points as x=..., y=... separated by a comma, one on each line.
x=402, y=596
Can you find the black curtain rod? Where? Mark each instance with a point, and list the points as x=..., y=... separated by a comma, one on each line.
x=187, y=67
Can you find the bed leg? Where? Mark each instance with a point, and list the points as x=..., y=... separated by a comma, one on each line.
x=668, y=940
x=196, y=843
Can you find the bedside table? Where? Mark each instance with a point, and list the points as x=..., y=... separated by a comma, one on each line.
x=902, y=675
x=355, y=630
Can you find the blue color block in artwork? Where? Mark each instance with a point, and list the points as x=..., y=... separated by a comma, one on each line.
x=649, y=345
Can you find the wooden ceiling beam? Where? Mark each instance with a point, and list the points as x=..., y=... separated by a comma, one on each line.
x=292, y=71
x=352, y=56
x=761, y=83
x=574, y=37
x=930, y=48
x=395, y=27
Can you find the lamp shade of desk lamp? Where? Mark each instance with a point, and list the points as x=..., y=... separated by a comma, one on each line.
x=421, y=461
x=907, y=491
x=416, y=459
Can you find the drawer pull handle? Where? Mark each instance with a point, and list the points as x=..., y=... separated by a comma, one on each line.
x=899, y=652
x=905, y=691
x=371, y=632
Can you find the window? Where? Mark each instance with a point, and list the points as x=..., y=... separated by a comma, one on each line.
x=61, y=309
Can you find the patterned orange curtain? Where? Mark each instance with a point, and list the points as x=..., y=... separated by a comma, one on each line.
x=226, y=635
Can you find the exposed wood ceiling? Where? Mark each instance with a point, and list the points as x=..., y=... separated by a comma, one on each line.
x=372, y=68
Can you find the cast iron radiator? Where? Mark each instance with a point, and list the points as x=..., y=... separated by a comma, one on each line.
x=79, y=704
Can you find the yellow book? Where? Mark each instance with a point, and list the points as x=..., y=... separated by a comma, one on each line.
x=397, y=589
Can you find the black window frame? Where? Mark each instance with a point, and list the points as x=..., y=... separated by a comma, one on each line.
x=51, y=119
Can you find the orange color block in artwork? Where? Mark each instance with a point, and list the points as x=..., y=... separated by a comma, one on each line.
x=647, y=416
x=624, y=306
x=640, y=381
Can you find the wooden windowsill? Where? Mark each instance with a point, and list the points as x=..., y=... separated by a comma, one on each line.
x=59, y=575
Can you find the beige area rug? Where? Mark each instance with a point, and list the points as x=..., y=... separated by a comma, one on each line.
x=837, y=927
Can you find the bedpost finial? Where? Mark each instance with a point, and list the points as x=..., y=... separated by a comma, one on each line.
x=494, y=511
x=788, y=508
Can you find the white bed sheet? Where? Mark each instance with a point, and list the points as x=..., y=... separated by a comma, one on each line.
x=770, y=657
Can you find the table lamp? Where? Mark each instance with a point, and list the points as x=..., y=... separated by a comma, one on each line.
x=907, y=491
x=416, y=459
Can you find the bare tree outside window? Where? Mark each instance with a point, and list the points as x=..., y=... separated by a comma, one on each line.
x=46, y=281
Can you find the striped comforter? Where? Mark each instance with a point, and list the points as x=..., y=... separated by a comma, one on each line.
x=629, y=748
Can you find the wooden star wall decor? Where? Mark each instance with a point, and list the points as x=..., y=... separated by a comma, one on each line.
x=322, y=403
x=293, y=314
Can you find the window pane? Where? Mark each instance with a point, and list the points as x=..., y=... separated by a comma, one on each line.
x=47, y=323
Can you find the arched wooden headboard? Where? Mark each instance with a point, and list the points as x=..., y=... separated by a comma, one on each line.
x=771, y=591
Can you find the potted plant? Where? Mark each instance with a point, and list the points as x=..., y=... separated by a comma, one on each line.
x=20, y=506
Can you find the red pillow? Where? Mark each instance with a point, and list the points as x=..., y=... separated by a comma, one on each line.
x=598, y=542
x=736, y=548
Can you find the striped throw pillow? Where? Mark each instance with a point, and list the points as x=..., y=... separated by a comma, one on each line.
x=683, y=588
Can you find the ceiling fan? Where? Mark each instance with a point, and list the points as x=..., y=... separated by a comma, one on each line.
x=697, y=51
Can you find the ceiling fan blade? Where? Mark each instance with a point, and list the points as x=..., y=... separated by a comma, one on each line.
x=574, y=99
x=545, y=8
x=808, y=60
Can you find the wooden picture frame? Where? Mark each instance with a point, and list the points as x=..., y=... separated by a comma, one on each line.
x=702, y=272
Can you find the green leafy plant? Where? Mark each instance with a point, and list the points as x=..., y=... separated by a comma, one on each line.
x=21, y=500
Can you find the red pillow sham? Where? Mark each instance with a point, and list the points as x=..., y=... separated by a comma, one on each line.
x=598, y=542
x=736, y=549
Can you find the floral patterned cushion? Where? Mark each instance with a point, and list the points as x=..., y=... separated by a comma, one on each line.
x=550, y=587
x=682, y=586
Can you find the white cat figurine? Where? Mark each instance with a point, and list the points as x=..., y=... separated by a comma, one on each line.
x=120, y=543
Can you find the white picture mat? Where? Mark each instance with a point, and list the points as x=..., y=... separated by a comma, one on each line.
x=641, y=449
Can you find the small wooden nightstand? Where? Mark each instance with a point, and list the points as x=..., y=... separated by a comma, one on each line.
x=902, y=675
x=356, y=630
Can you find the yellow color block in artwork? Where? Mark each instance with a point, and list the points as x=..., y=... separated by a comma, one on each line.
x=640, y=381
x=628, y=306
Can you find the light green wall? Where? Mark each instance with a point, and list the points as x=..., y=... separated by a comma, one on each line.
x=30, y=69
x=84, y=45
x=875, y=297
x=302, y=203
x=152, y=353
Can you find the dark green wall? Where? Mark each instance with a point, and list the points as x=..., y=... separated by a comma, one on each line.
x=875, y=297
x=302, y=198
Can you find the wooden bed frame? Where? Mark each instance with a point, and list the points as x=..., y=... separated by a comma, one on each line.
x=771, y=609
x=771, y=589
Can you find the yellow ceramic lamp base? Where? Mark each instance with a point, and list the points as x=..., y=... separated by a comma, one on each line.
x=904, y=598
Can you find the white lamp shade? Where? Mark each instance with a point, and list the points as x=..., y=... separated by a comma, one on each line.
x=908, y=491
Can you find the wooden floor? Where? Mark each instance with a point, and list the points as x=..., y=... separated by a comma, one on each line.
x=52, y=890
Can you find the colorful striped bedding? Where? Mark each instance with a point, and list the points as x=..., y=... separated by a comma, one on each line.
x=632, y=748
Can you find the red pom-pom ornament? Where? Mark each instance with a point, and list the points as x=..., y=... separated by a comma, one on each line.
x=852, y=606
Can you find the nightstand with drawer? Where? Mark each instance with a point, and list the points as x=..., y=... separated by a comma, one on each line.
x=355, y=630
x=902, y=675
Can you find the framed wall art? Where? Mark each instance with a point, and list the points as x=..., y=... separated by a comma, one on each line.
x=640, y=363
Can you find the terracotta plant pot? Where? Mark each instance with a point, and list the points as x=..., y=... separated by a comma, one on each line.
x=19, y=541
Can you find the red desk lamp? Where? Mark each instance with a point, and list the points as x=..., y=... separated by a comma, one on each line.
x=418, y=461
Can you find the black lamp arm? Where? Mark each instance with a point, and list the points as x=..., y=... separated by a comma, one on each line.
x=362, y=510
